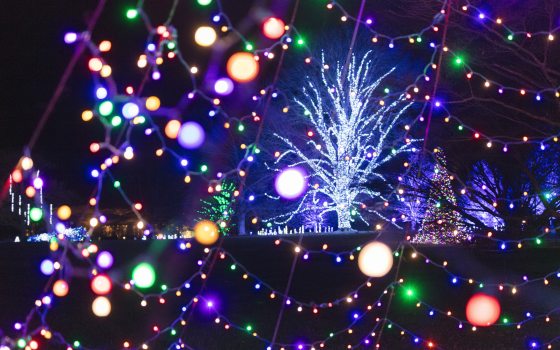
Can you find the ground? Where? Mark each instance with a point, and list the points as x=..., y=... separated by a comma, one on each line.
x=318, y=279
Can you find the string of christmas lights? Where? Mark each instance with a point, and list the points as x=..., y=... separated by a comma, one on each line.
x=123, y=148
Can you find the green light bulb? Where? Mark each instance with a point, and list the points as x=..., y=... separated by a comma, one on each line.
x=131, y=13
x=105, y=108
x=35, y=214
x=458, y=61
x=204, y=2
x=143, y=275
x=116, y=121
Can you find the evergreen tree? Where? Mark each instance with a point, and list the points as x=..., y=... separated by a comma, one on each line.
x=219, y=208
x=442, y=222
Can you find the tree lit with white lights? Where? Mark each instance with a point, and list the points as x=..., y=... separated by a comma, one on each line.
x=352, y=133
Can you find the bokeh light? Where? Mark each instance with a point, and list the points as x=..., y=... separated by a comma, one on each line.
x=60, y=288
x=375, y=259
x=26, y=163
x=143, y=275
x=106, y=71
x=483, y=310
x=223, y=86
x=242, y=67
x=87, y=115
x=93, y=222
x=152, y=103
x=95, y=64
x=64, y=212
x=205, y=36
x=191, y=135
x=17, y=176
x=105, y=260
x=101, y=284
x=36, y=214
x=105, y=46
x=47, y=267
x=105, y=108
x=101, y=307
x=116, y=121
x=101, y=92
x=273, y=28
x=70, y=37
x=130, y=110
x=30, y=191
x=206, y=232
x=131, y=13
x=172, y=129
x=291, y=183
x=38, y=183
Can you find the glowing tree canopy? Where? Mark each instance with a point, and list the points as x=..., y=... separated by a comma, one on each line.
x=442, y=222
x=351, y=134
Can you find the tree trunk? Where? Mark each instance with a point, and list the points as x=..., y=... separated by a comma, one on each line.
x=343, y=219
x=241, y=224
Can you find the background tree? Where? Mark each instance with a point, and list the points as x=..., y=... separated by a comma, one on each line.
x=351, y=133
x=514, y=196
x=442, y=222
x=220, y=207
x=414, y=192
